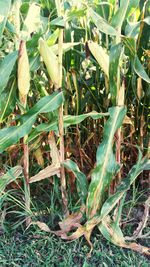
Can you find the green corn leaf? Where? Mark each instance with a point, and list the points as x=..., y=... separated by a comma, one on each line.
x=66, y=47
x=132, y=7
x=106, y=166
x=82, y=185
x=113, y=233
x=32, y=22
x=114, y=74
x=7, y=101
x=130, y=46
x=53, y=37
x=68, y=121
x=6, y=67
x=4, y=11
x=11, y=135
x=142, y=164
x=101, y=23
x=139, y=69
x=11, y=175
x=120, y=15
x=59, y=22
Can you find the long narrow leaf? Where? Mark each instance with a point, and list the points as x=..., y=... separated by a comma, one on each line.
x=142, y=164
x=101, y=23
x=11, y=135
x=4, y=11
x=120, y=15
x=68, y=121
x=11, y=175
x=139, y=69
x=6, y=68
x=82, y=185
x=114, y=77
x=106, y=166
x=7, y=101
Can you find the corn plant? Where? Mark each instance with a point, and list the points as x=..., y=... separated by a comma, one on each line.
x=83, y=75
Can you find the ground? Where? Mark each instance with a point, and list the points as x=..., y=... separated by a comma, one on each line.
x=37, y=249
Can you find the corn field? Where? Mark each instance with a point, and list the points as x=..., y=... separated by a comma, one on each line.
x=74, y=110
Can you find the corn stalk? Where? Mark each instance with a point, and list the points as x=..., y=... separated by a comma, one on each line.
x=60, y=122
x=23, y=86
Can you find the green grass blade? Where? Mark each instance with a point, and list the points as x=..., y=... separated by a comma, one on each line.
x=11, y=175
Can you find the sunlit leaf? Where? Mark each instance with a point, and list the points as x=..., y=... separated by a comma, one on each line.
x=53, y=37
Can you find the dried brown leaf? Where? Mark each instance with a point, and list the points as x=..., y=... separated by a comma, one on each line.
x=46, y=173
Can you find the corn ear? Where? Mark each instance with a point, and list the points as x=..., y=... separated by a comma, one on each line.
x=50, y=60
x=100, y=55
x=23, y=73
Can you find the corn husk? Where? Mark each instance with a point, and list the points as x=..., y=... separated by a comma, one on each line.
x=23, y=73
x=100, y=55
x=50, y=60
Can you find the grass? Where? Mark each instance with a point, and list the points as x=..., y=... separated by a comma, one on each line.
x=34, y=248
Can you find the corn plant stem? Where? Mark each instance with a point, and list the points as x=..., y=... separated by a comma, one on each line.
x=61, y=128
x=26, y=175
x=118, y=102
x=26, y=170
